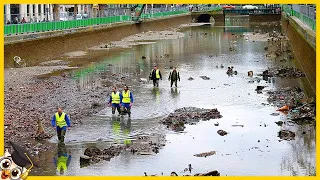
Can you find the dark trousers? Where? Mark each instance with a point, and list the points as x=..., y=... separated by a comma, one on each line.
x=156, y=82
x=175, y=82
x=126, y=108
x=114, y=107
x=61, y=134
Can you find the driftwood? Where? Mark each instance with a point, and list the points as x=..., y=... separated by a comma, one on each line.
x=41, y=134
x=40, y=128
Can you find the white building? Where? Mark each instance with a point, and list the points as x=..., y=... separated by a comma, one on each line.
x=38, y=12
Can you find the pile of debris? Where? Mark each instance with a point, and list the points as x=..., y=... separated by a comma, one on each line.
x=286, y=135
x=289, y=72
x=94, y=154
x=301, y=108
x=189, y=115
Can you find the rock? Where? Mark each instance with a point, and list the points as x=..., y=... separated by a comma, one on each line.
x=259, y=88
x=173, y=174
x=204, y=77
x=190, y=78
x=279, y=123
x=274, y=114
x=222, y=132
x=216, y=124
x=286, y=135
x=92, y=151
x=84, y=159
x=211, y=173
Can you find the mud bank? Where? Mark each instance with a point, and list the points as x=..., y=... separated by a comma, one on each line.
x=37, y=51
x=29, y=99
x=140, y=39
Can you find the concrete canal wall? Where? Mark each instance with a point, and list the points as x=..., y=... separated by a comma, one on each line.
x=303, y=42
x=53, y=44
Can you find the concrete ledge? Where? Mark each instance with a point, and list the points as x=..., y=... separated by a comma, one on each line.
x=304, y=31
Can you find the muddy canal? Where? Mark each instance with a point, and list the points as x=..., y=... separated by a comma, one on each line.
x=252, y=145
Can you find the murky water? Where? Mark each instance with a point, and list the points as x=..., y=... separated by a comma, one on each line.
x=238, y=153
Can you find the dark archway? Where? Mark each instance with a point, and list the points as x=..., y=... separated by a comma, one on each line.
x=204, y=18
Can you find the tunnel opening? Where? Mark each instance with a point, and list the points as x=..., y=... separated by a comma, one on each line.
x=204, y=18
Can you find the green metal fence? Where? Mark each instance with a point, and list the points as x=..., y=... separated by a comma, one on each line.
x=15, y=29
x=310, y=22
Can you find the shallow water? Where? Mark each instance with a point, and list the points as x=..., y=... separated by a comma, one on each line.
x=238, y=153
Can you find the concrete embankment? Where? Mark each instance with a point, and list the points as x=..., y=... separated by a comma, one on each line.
x=43, y=49
x=303, y=42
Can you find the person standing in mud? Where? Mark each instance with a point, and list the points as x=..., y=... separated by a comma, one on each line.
x=155, y=75
x=174, y=76
x=115, y=101
x=61, y=121
x=127, y=100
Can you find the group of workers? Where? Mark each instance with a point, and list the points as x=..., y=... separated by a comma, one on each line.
x=122, y=102
x=155, y=76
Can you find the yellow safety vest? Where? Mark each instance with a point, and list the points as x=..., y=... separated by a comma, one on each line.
x=115, y=98
x=62, y=163
x=157, y=73
x=60, y=120
x=126, y=97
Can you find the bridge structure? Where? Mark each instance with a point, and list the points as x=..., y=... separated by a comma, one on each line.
x=219, y=15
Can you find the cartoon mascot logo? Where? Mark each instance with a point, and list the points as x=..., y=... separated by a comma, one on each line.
x=13, y=166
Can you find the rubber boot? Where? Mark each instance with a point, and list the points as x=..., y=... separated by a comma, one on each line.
x=59, y=135
x=63, y=133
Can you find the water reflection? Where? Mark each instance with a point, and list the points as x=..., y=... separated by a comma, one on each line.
x=301, y=160
x=62, y=159
x=121, y=127
x=156, y=93
x=174, y=92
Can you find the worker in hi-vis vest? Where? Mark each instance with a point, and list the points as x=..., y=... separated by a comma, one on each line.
x=115, y=100
x=61, y=121
x=127, y=100
x=155, y=75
